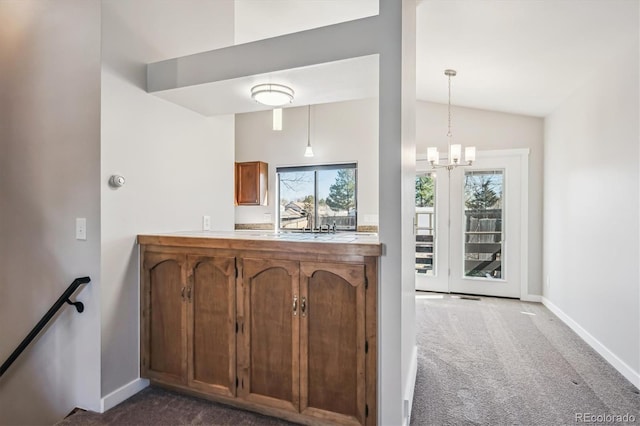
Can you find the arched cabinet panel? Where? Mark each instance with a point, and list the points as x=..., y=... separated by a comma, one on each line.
x=163, y=338
x=332, y=342
x=270, y=353
x=211, y=324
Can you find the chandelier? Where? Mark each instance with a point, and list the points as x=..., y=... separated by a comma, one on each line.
x=455, y=150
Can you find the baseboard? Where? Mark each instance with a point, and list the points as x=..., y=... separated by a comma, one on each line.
x=531, y=298
x=407, y=404
x=610, y=357
x=123, y=393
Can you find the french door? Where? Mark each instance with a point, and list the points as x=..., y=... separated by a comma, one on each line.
x=471, y=226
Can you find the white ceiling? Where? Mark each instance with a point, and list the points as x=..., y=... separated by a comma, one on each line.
x=518, y=56
x=338, y=81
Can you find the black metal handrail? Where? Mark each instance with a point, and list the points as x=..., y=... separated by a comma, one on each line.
x=64, y=298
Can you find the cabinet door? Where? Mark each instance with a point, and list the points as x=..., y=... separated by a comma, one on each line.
x=269, y=353
x=251, y=183
x=332, y=342
x=211, y=324
x=163, y=334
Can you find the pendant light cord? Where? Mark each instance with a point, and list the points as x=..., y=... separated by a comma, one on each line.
x=309, y=126
x=449, y=129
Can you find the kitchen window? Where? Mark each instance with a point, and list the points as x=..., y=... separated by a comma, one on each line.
x=317, y=197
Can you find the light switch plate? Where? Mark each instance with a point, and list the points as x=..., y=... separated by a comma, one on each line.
x=81, y=228
x=206, y=223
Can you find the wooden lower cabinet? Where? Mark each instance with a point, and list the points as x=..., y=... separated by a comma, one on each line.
x=333, y=342
x=211, y=326
x=269, y=354
x=188, y=321
x=163, y=336
x=293, y=338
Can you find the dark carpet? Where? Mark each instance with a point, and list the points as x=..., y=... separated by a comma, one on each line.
x=504, y=362
x=157, y=406
x=480, y=362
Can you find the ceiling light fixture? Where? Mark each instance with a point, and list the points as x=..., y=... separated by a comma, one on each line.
x=455, y=150
x=308, y=152
x=272, y=94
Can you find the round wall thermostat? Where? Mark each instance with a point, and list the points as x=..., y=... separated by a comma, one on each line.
x=116, y=181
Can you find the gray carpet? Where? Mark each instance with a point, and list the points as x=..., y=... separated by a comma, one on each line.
x=479, y=363
x=156, y=406
x=487, y=363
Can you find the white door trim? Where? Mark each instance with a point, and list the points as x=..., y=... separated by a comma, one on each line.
x=523, y=155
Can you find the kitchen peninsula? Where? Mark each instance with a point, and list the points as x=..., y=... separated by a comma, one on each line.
x=279, y=323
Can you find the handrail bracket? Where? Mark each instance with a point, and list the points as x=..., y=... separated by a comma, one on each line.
x=79, y=305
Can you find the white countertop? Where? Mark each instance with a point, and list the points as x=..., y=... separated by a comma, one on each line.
x=257, y=235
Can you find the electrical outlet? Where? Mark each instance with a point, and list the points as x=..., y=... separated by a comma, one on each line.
x=81, y=228
x=206, y=223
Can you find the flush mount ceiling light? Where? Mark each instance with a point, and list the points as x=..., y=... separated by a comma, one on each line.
x=272, y=94
x=455, y=150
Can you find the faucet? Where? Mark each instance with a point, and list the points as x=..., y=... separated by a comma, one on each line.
x=309, y=223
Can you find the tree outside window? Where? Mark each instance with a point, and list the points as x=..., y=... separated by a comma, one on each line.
x=318, y=196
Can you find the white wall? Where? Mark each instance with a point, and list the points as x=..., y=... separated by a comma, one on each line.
x=591, y=234
x=408, y=119
x=178, y=164
x=49, y=175
x=490, y=130
x=340, y=132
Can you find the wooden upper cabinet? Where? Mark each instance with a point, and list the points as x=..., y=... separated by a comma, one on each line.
x=333, y=342
x=269, y=355
x=163, y=337
x=251, y=183
x=211, y=299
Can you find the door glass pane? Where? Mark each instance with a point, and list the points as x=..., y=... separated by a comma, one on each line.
x=297, y=202
x=483, y=237
x=425, y=223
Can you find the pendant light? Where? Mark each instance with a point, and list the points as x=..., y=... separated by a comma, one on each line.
x=277, y=119
x=455, y=150
x=308, y=152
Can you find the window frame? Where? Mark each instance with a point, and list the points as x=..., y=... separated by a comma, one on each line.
x=315, y=168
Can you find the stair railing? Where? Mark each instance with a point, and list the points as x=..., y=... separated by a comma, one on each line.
x=64, y=298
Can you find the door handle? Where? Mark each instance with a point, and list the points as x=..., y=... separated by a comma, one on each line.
x=295, y=305
x=303, y=306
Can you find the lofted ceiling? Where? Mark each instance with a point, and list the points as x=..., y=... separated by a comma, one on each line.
x=517, y=56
